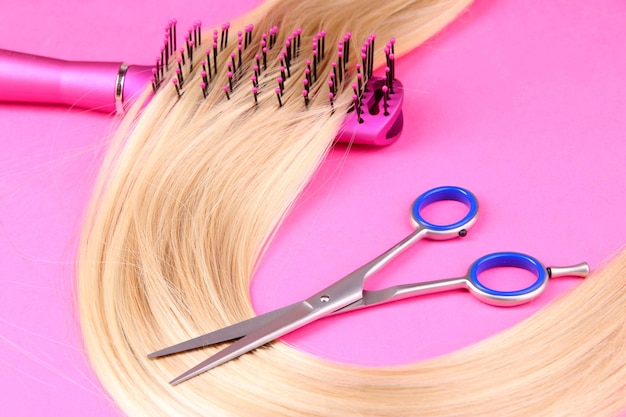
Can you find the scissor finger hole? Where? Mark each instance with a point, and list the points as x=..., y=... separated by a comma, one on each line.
x=444, y=212
x=508, y=263
x=458, y=208
x=508, y=279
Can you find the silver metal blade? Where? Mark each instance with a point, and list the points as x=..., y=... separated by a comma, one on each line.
x=294, y=316
x=401, y=292
x=232, y=332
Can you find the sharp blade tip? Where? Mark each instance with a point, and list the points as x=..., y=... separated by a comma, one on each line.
x=187, y=375
x=160, y=353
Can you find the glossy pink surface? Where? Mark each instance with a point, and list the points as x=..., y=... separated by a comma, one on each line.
x=521, y=102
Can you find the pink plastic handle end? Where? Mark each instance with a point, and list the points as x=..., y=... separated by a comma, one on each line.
x=379, y=124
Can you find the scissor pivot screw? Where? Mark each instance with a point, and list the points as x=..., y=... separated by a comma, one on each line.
x=463, y=233
x=324, y=298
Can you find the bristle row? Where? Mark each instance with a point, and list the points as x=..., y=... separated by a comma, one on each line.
x=365, y=70
x=167, y=51
x=390, y=69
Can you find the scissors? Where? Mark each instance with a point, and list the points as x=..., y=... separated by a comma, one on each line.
x=348, y=294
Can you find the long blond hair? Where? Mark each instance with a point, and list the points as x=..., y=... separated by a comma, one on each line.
x=191, y=192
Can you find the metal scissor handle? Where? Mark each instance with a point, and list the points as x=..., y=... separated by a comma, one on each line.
x=445, y=193
x=517, y=260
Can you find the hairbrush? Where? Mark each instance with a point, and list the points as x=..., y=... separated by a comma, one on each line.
x=373, y=118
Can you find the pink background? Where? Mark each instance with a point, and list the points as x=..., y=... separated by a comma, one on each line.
x=524, y=103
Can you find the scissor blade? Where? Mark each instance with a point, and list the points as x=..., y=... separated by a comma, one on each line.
x=294, y=316
x=232, y=332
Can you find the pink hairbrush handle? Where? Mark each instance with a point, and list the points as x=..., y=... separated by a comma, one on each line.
x=101, y=86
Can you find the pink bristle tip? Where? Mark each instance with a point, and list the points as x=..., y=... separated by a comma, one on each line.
x=305, y=93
